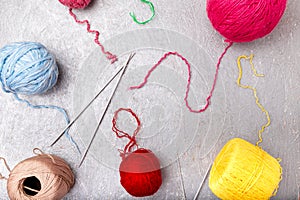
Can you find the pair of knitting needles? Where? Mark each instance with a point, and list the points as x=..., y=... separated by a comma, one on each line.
x=122, y=70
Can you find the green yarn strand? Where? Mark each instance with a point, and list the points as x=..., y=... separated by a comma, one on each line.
x=146, y=21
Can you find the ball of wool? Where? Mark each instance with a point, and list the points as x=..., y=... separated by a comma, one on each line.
x=245, y=20
x=140, y=173
x=77, y=4
x=40, y=177
x=244, y=171
x=27, y=68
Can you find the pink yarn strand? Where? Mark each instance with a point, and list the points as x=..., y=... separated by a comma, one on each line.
x=166, y=55
x=109, y=55
x=215, y=80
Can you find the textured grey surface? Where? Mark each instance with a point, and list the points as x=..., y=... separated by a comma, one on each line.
x=233, y=112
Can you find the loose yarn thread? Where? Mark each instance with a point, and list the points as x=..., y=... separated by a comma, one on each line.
x=238, y=81
x=43, y=176
x=28, y=68
x=242, y=170
x=139, y=170
x=244, y=20
x=6, y=166
x=146, y=21
x=109, y=55
x=166, y=55
x=80, y=4
x=122, y=134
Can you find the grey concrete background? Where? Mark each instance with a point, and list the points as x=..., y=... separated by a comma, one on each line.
x=233, y=112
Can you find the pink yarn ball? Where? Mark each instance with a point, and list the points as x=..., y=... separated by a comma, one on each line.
x=75, y=3
x=245, y=20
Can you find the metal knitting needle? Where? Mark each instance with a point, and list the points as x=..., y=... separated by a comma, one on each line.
x=201, y=184
x=298, y=192
x=105, y=110
x=181, y=178
x=87, y=106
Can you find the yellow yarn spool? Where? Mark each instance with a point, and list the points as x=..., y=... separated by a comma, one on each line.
x=242, y=171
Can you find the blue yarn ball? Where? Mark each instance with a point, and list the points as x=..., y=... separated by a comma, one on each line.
x=27, y=68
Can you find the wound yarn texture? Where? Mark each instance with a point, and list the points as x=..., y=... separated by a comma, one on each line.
x=28, y=68
x=140, y=173
x=77, y=4
x=139, y=170
x=53, y=176
x=245, y=20
x=244, y=171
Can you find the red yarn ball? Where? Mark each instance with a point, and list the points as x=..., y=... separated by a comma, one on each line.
x=245, y=20
x=77, y=4
x=140, y=173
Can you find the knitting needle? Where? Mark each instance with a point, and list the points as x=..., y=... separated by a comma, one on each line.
x=201, y=184
x=181, y=178
x=298, y=192
x=86, y=107
x=105, y=110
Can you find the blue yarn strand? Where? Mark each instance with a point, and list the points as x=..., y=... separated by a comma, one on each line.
x=66, y=133
x=28, y=68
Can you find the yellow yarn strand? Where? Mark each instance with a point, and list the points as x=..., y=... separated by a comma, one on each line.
x=242, y=170
x=238, y=81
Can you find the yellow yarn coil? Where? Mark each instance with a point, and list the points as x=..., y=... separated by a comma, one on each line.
x=242, y=171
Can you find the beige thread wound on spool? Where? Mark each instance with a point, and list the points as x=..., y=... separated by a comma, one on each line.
x=50, y=174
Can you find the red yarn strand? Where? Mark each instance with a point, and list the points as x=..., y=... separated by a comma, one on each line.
x=122, y=134
x=109, y=55
x=140, y=173
x=166, y=55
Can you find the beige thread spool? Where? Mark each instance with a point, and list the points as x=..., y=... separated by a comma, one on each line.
x=43, y=176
